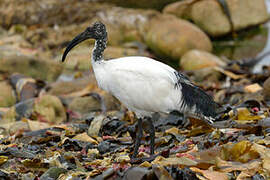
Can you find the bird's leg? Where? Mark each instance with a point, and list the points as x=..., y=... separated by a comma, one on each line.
x=186, y=121
x=138, y=138
x=152, y=135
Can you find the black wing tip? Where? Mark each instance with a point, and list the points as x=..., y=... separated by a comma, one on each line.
x=195, y=96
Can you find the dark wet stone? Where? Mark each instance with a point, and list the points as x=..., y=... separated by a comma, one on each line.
x=79, y=128
x=19, y=153
x=109, y=172
x=265, y=123
x=4, y=175
x=42, y=132
x=137, y=173
x=114, y=126
x=173, y=119
x=72, y=145
x=52, y=173
x=105, y=146
x=258, y=177
x=68, y=163
x=183, y=174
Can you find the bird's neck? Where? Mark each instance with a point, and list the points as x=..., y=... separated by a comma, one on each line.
x=97, y=53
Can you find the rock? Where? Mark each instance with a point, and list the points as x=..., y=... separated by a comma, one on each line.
x=266, y=89
x=85, y=104
x=171, y=37
x=21, y=110
x=209, y=15
x=7, y=97
x=52, y=173
x=47, y=12
x=197, y=59
x=157, y=4
x=60, y=88
x=179, y=9
x=96, y=125
x=49, y=108
x=26, y=87
x=16, y=60
x=137, y=173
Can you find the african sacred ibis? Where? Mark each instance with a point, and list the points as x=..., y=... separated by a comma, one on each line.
x=144, y=85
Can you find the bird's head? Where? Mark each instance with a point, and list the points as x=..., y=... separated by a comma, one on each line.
x=97, y=31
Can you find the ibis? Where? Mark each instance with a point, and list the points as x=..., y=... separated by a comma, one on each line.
x=144, y=85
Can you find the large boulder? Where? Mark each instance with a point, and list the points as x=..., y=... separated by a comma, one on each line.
x=171, y=37
x=209, y=15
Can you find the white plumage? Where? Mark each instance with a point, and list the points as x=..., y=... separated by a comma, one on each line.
x=144, y=85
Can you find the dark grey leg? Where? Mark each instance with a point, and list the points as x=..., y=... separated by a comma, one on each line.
x=186, y=121
x=152, y=135
x=138, y=138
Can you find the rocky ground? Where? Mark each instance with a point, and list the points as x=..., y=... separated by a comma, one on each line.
x=57, y=124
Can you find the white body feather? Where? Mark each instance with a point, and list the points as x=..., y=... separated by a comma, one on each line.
x=142, y=84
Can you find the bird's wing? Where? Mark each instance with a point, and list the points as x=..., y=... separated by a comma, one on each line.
x=143, y=83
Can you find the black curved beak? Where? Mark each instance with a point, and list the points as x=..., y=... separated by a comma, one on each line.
x=78, y=39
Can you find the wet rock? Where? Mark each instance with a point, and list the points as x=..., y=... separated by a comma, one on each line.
x=19, y=153
x=49, y=108
x=85, y=104
x=211, y=18
x=7, y=97
x=105, y=147
x=184, y=173
x=138, y=173
x=52, y=173
x=72, y=145
x=173, y=119
x=13, y=60
x=96, y=125
x=171, y=37
x=197, y=59
x=266, y=89
x=113, y=126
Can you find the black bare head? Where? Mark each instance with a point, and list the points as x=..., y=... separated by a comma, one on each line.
x=97, y=31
